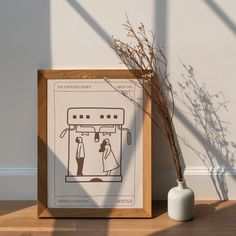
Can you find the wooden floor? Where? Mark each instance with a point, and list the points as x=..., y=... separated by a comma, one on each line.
x=211, y=218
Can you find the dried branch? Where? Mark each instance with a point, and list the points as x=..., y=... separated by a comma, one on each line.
x=142, y=57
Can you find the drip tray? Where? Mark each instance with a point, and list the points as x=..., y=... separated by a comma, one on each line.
x=93, y=178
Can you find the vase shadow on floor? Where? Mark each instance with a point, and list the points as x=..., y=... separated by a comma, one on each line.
x=158, y=208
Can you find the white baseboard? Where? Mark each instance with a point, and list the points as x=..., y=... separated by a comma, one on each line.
x=21, y=183
x=18, y=171
x=211, y=171
x=18, y=183
x=200, y=179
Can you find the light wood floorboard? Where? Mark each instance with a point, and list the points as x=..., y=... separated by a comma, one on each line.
x=18, y=218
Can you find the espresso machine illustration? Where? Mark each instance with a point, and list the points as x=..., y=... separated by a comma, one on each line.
x=95, y=144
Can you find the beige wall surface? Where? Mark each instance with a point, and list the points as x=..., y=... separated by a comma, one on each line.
x=75, y=34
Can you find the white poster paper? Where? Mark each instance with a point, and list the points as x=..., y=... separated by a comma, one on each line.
x=94, y=144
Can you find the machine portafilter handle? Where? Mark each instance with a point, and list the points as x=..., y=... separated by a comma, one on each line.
x=96, y=137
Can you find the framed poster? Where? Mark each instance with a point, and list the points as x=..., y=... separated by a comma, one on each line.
x=94, y=144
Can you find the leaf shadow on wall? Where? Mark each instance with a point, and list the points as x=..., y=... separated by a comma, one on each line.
x=210, y=130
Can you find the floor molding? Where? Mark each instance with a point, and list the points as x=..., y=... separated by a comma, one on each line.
x=21, y=183
x=20, y=171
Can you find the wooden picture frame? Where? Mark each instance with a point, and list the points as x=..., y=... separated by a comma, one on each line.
x=58, y=92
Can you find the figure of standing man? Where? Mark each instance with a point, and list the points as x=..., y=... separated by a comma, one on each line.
x=108, y=158
x=80, y=155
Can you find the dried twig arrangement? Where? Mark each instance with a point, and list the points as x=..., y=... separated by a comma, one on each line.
x=144, y=57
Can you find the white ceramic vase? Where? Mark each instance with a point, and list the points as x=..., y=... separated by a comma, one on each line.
x=180, y=202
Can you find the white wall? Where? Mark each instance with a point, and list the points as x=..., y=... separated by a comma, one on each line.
x=203, y=34
x=65, y=34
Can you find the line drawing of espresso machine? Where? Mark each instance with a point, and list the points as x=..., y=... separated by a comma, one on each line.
x=95, y=144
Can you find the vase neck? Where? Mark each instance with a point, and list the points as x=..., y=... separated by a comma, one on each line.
x=181, y=184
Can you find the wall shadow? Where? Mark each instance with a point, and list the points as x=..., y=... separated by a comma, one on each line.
x=221, y=15
x=90, y=21
x=13, y=206
x=161, y=148
x=209, y=129
x=25, y=47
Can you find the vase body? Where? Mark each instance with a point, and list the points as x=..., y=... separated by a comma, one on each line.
x=180, y=202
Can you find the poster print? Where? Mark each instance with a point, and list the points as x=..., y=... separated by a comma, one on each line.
x=94, y=144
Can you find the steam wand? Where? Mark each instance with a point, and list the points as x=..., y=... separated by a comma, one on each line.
x=129, y=138
x=65, y=130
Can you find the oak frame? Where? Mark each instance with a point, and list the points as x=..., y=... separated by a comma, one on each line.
x=43, y=210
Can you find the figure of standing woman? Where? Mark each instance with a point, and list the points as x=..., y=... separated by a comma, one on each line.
x=108, y=158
